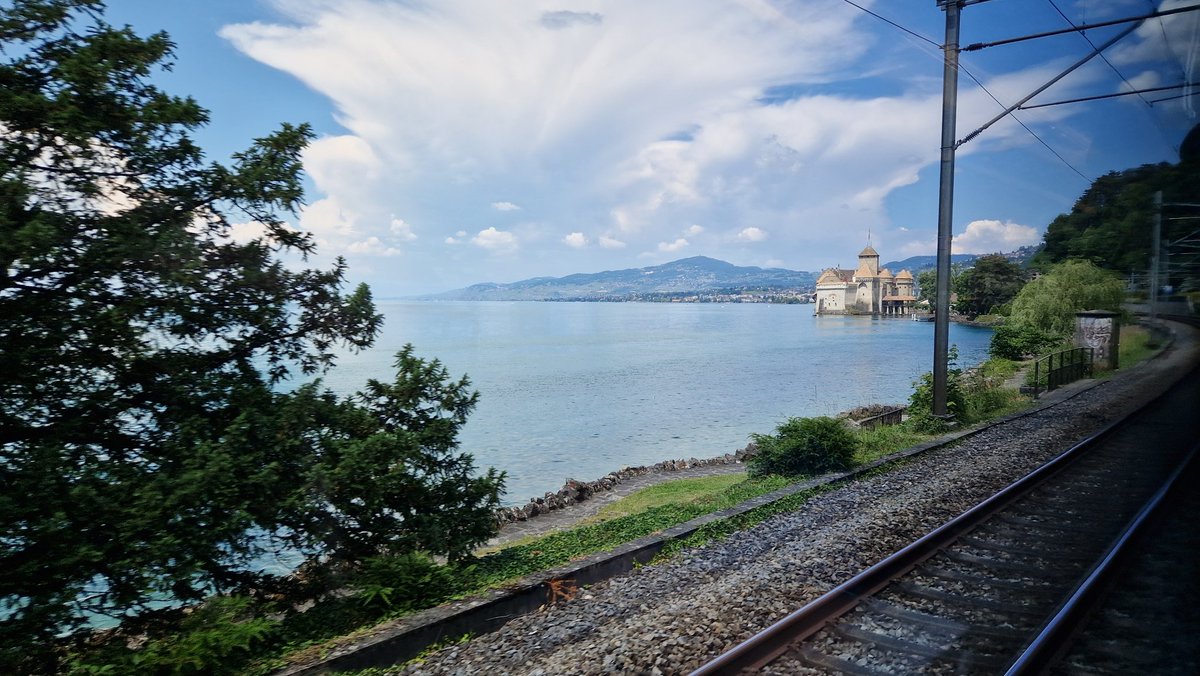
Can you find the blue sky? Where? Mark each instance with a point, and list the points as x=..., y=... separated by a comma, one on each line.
x=464, y=141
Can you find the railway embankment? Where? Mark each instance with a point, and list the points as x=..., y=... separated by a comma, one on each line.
x=605, y=613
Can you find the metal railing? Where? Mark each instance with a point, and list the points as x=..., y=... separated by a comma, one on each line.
x=892, y=417
x=1060, y=368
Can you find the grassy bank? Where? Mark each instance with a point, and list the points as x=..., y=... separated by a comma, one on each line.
x=260, y=636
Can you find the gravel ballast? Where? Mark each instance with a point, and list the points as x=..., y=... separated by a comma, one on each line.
x=672, y=617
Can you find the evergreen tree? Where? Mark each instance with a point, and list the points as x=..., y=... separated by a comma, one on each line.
x=146, y=453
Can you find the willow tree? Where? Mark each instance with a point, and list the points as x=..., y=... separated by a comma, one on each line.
x=147, y=451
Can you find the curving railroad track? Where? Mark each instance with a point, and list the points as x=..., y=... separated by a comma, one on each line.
x=1002, y=587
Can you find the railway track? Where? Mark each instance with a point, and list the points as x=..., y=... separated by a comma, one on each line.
x=1001, y=587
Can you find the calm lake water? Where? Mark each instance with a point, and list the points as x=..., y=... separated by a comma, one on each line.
x=576, y=390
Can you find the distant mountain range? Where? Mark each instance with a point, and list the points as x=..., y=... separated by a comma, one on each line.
x=915, y=264
x=696, y=274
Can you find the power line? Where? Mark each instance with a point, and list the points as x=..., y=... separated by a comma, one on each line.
x=1167, y=41
x=893, y=23
x=1098, y=97
x=1082, y=27
x=1102, y=56
x=977, y=81
x=1153, y=118
x=1023, y=125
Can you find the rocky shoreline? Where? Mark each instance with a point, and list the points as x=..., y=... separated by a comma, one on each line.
x=574, y=491
x=673, y=616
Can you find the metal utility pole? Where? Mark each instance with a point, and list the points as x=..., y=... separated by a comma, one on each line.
x=1154, y=258
x=941, y=317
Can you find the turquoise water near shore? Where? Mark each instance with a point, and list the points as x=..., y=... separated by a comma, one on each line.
x=576, y=390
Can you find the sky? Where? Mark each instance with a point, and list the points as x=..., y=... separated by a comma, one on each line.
x=466, y=141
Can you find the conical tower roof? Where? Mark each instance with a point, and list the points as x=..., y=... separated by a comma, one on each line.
x=868, y=252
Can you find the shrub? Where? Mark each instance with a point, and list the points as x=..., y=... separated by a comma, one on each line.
x=1016, y=340
x=217, y=637
x=406, y=581
x=809, y=446
x=920, y=403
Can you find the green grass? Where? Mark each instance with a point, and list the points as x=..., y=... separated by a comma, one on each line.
x=1137, y=344
x=999, y=368
x=656, y=508
x=343, y=619
x=679, y=490
x=702, y=496
x=876, y=443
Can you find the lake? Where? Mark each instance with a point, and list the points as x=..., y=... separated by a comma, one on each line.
x=576, y=390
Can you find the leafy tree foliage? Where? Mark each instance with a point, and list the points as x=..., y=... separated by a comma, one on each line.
x=1049, y=303
x=927, y=283
x=1014, y=340
x=993, y=281
x=1111, y=224
x=927, y=286
x=807, y=446
x=146, y=453
x=920, y=402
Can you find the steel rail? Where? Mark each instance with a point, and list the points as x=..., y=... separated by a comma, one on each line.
x=766, y=646
x=1054, y=637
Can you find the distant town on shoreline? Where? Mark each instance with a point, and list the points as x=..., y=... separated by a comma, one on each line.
x=698, y=279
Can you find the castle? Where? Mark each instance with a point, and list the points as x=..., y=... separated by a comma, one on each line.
x=866, y=291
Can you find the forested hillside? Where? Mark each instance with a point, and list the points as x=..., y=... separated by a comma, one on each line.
x=1111, y=224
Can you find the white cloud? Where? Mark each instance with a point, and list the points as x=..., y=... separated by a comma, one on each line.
x=334, y=160
x=327, y=219
x=565, y=19
x=672, y=247
x=402, y=230
x=372, y=246
x=495, y=240
x=752, y=234
x=575, y=240
x=992, y=236
x=631, y=118
x=243, y=233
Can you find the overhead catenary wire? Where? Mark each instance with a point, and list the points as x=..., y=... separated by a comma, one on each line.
x=1149, y=108
x=976, y=80
x=1102, y=56
x=1099, y=97
x=1082, y=27
x=1166, y=40
x=892, y=23
x=1174, y=98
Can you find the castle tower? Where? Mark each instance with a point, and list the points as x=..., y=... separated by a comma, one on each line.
x=869, y=258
